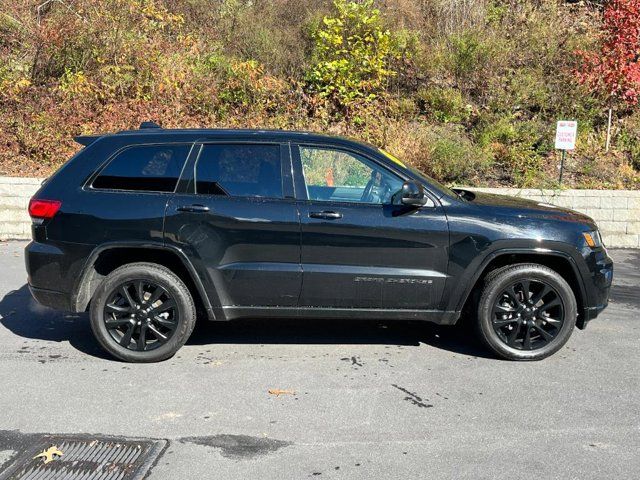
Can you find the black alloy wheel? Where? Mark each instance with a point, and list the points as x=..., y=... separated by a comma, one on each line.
x=140, y=315
x=142, y=312
x=526, y=311
x=528, y=315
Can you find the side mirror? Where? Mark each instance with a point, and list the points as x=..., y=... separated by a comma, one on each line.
x=412, y=194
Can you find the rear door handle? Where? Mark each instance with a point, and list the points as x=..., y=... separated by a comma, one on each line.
x=193, y=208
x=325, y=215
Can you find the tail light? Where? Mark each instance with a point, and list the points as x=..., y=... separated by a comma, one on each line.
x=43, y=209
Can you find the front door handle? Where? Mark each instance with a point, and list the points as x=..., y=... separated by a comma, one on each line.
x=326, y=215
x=193, y=208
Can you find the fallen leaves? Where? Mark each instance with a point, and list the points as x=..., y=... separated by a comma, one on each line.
x=49, y=454
x=277, y=392
x=167, y=416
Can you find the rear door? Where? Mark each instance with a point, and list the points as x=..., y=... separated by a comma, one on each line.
x=359, y=250
x=237, y=219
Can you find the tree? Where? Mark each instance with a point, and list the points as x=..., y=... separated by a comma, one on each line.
x=614, y=71
x=351, y=53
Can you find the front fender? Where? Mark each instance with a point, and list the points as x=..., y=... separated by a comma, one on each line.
x=465, y=275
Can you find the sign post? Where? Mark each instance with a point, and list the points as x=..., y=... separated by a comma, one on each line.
x=566, y=132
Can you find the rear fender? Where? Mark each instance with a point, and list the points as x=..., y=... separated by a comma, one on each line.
x=88, y=280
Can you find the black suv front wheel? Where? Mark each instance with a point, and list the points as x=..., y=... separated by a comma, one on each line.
x=526, y=312
x=142, y=312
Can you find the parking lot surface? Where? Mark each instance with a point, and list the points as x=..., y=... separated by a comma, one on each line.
x=358, y=399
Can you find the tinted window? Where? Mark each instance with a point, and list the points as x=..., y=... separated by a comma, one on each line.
x=153, y=168
x=335, y=175
x=240, y=170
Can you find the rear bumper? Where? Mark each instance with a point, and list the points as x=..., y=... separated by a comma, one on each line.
x=51, y=298
x=54, y=270
x=45, y=276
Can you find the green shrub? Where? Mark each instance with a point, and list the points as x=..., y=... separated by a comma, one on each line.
x=274, y=33
x=471, y=56
x=446, y=105
x=449, y=155
x=496, y=12
x=526, y=90
x=628, y=140
x=518, y=147
x=402, y=108
x=351, y=54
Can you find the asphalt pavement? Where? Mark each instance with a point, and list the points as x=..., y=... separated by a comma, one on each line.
x=361, y=399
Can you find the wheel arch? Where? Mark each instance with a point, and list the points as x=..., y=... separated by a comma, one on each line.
x=106, y=258
x=560, y=262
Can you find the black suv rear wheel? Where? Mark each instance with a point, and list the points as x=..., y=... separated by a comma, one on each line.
x=526, y=312
x=142, y=312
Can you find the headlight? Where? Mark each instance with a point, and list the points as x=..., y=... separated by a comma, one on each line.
x=593, y=238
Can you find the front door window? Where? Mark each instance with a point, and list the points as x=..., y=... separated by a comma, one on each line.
x=340, y=176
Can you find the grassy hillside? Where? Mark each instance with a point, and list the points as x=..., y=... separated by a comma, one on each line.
x=466, y=90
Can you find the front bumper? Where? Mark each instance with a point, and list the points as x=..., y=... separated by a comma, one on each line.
x=597, y=286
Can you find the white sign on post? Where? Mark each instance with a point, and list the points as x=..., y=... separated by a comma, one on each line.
x=566, y=133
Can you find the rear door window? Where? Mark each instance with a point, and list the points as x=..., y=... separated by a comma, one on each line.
x=151, y=168
x=240, y=170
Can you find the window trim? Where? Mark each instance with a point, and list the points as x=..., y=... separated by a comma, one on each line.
x=356, y=153
x=282, y=146
x=89, y=183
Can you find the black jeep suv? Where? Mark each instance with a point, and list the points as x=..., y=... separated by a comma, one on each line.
x=145, y=228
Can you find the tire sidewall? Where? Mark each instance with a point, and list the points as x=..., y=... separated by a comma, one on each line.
x=167, y=280
x=506, y=278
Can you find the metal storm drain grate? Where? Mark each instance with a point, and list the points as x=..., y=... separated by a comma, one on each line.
x=74, y=458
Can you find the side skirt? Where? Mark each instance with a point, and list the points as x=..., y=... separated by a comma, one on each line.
x=435, y=316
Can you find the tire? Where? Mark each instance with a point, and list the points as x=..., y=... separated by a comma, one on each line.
x=521, y=326
x=158, y=327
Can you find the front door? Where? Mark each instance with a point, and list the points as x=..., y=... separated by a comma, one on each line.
x=359, y=250
x=238, y=222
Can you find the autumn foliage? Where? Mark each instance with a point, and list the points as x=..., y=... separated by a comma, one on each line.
x=614, y=70
x=467, y=91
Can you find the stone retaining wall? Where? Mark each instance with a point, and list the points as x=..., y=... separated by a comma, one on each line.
x=14, y=200
x=617, y=212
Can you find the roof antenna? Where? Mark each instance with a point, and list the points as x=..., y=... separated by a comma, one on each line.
x=145, y=125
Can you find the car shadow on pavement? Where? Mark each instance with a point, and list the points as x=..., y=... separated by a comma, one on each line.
x=458, y=339
x=24, y=317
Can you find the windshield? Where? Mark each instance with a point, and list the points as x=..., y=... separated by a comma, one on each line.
x=443, y=188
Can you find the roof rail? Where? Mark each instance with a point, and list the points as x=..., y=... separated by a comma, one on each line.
x=145, y=125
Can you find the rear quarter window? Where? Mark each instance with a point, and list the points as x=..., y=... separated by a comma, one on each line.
x=151, y=168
